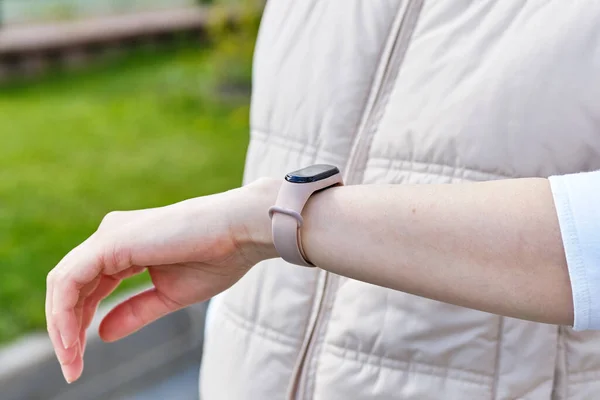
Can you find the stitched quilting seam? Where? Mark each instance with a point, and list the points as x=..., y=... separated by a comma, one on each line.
x=386, y=163
x=378, y=361
x=392, y=164
x=302, y=148
x=291, y=142
x=252, y=327
x=449, y=171
x=586, y=376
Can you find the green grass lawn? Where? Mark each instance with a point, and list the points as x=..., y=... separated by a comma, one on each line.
x=143, y=133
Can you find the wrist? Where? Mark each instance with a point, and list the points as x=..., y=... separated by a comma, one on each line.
x=251, y=230
x=318, y=213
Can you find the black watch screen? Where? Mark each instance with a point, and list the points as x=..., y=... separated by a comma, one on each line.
x=314, y=173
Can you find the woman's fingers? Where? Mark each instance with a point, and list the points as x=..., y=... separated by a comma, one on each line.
x=135, y=313
x=97, y=292
x=67, y=287
x=106, y=286
x=73, y=370
x=84, y=312
x=65, y=356
x=65, y=299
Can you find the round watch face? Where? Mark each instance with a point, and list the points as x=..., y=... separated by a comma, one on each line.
x=314, y=173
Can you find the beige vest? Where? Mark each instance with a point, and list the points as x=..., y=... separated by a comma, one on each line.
x=409, y=91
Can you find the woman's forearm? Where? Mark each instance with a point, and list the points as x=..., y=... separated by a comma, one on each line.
x=492, y=246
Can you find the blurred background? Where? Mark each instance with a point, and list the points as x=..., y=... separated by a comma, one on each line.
x=111, y=105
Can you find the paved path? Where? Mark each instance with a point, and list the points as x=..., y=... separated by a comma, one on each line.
x=160, y=361
x=32, y=38
x=182, y=385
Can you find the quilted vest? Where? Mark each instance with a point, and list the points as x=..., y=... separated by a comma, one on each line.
x=408, y=92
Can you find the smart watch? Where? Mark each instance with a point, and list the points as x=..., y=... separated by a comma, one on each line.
x=286, y=214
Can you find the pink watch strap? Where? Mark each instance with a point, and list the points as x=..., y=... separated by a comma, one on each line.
x=287, y=220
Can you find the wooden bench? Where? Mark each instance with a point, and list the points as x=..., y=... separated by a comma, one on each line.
x=29, y=49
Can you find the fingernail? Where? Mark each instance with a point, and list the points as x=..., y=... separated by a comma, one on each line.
x=67, y=375
x=65, y=344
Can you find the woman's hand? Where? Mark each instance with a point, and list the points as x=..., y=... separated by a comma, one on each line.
x=192, y=250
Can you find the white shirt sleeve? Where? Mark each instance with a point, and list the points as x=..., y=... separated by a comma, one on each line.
x=577, y=202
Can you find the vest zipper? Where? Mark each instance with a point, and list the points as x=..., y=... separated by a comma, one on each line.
x=395, y=50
